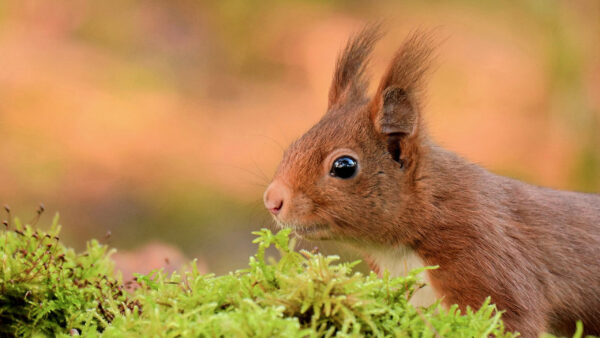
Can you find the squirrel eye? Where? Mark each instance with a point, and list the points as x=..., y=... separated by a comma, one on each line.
x=344, y=167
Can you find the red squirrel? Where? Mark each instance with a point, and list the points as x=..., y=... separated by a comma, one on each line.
x=367, y=174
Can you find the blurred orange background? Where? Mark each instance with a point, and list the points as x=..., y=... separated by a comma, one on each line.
x=164, y=120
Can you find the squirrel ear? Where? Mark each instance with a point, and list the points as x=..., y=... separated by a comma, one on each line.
x=396, y=118
x=395, y=109
x=397, y=114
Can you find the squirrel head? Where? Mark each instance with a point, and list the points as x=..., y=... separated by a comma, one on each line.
x=351, y=175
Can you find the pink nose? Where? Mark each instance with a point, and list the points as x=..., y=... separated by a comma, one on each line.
x=275, y=197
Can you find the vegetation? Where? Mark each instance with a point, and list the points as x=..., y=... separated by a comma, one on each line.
x=49, y=290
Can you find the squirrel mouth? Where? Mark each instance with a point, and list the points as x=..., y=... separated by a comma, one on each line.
x=314, y=231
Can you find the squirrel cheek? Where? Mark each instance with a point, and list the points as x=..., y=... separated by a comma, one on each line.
x=299, y=210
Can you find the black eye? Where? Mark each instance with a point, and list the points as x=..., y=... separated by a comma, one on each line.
x=344, y=167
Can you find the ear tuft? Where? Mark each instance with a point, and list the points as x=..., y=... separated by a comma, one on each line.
x=348, y=80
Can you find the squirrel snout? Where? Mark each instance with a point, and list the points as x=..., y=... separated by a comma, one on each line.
x=275, y=197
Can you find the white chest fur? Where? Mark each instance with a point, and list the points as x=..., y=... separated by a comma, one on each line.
x=399, y=261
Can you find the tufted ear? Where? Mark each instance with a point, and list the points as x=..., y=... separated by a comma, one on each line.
x=396, y=107
x=349, y=81
x=398, y=113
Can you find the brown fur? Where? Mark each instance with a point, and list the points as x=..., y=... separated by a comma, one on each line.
x=535, y=251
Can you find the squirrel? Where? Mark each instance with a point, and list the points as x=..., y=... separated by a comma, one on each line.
x=368, y=175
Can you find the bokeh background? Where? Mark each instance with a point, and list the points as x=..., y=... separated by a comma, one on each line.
x=163, y=121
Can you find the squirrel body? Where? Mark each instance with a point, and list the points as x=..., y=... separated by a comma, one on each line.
x=368, y=174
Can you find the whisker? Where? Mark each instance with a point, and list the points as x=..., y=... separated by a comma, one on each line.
x=272, y=139
x=264, y=176
x=261, y=179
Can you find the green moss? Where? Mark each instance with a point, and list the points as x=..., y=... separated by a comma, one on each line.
x=48, y=289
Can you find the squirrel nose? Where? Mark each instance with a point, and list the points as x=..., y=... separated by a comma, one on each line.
x=274, y=197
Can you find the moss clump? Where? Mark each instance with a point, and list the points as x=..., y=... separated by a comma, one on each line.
x=47, y=289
